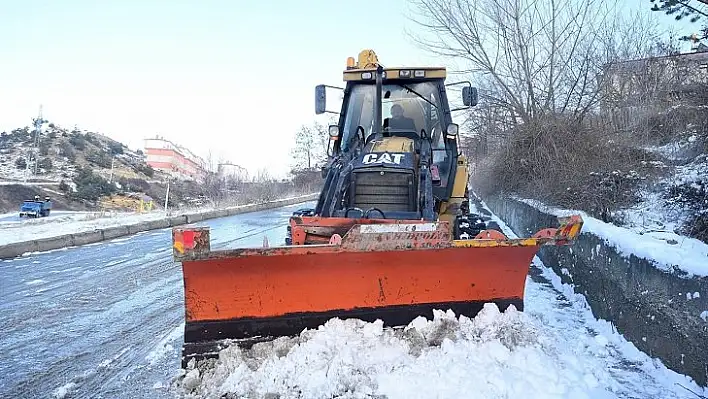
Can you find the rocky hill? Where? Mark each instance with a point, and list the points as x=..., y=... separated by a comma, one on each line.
x=79, y=168
x=62, y=152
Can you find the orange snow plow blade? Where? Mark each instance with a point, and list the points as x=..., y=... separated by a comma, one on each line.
x=379, y=269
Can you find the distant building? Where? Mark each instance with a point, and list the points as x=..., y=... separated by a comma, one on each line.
x=634, y=91
x=178, y=161
x=232, y=171
x=666, y=78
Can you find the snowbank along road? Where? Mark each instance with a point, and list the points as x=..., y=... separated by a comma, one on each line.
x=105, y=321
x=14, y=217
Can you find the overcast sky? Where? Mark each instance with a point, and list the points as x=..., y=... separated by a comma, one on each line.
x=235, y=78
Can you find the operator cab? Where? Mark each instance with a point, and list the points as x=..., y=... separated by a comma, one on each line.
x=414, y=105
x=409, y=109
x=395, y=128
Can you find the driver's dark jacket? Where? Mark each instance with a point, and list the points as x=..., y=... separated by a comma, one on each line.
x=401, y=123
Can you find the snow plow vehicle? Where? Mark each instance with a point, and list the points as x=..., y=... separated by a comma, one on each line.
x=391, y=236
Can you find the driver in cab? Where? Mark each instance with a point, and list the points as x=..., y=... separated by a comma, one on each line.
x=398, y=121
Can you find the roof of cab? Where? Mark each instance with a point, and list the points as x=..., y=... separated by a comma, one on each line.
x=404, y=73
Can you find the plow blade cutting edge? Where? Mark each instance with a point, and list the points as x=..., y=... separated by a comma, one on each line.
x=394, y=271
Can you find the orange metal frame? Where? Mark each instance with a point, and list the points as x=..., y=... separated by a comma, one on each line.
x=316, y=233
x=324, y=280
x=318, y=230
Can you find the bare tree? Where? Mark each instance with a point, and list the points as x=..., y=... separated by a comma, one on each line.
x=537, y=57
x=213, y=188
x=310, y=147
x=210, y=162
x=264, y=186
x=541, y=67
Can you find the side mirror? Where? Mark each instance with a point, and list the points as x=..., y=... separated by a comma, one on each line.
x=470, y=97
x=452, y=130
x=320, y=99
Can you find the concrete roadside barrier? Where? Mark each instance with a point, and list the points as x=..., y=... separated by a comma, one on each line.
x=116, y=232
x=157, y=224
x=242, y=209
x=87, y=237
x=221, y=213
x=629, y=291
x=138, y=228
x=210, y=215
x=47, y=244
x=177, y=221
x=13, y=250
x=194, y=217
x=17, y=249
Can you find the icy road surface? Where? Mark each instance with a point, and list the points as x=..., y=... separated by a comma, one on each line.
x=105, y=321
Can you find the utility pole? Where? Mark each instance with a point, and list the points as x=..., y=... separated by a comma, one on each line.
x=28, y=158
x=167, y=194
x=110, y=178
x=37, y=132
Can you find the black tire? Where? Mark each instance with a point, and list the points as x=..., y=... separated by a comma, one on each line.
x=288, y=236
x=299, y=212
x=465, y=206
x=468, y=226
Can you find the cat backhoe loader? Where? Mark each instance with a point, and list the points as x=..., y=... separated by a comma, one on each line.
x=391, y=236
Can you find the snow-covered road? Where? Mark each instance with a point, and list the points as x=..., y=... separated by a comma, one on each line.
x=105, y=321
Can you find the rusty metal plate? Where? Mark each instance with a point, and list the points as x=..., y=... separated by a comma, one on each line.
x=190, y=243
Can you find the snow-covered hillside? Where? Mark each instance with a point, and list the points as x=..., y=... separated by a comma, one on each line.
x=61, y=152
x=663, y=205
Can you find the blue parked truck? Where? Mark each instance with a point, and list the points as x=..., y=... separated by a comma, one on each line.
x=36, y=208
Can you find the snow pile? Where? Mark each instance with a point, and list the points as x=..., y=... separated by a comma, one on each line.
x=165, y=346
x=493, y=355
x=669, y=251
x=556, y=349
x=64, y=390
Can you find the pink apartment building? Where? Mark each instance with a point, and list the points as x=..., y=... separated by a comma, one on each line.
x=165, y=156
